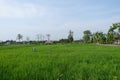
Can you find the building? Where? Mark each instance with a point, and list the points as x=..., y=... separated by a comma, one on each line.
x=117, y=40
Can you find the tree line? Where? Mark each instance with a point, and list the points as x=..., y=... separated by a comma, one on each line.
x=112, y=36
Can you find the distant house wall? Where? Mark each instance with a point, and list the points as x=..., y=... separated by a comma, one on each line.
x=117, y=40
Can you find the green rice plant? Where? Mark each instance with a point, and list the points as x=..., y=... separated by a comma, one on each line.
x=62, y=62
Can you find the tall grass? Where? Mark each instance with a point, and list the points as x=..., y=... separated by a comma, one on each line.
x=65, y=62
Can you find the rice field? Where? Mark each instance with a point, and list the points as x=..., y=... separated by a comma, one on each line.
x=60, y=62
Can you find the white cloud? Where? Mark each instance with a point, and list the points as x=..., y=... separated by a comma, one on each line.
x=19, y=10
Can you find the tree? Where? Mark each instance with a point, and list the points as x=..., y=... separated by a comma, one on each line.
x=70, y=36
x=96, y=37
x=63, y=41
x=114, y=27
x=113, y=32
x=110, y=37
x=102, y=38
x=99, y=37
x=87, y=36
x=19, y=37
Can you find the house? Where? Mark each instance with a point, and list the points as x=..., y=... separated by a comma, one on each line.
x=117, y=40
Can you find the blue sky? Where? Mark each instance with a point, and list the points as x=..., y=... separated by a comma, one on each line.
x=56, y=17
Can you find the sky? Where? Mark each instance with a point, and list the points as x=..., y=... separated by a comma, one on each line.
x=56, y=17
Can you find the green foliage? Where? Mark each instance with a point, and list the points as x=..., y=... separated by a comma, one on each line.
x=87, y=36
x=49, y=62
x=110, y=37
x=99, y=37
x=87, y=32
x=70, y=36
x=64, y=41
x=112, y=33
x=114, y=27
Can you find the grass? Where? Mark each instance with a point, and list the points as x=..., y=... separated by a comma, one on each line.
x=65, y=62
